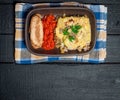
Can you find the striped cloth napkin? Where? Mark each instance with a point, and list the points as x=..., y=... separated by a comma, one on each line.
x=23, y=56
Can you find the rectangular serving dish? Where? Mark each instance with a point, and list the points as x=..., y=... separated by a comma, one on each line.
x=59, y=11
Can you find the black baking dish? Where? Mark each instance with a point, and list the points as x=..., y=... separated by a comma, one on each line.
x=59, y=11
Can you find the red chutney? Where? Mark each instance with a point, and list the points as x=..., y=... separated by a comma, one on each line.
x=49, y=23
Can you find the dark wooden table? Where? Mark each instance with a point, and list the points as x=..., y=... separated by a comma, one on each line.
x=59, y=81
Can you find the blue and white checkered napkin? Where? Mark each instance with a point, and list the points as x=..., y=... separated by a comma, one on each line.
x=23, y=56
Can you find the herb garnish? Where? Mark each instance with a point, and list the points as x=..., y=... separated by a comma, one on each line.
x=74, y=28
x=71, y=38
x=65, y=31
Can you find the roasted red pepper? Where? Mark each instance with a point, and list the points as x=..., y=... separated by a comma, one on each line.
x=49, y=24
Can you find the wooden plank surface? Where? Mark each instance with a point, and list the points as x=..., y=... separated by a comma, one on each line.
x=6, y=19
x=113, y=48
x=60, y=82
x=7, y=48
x=81, y=1
x=6, y=1
x=113, y=26
x=86, y=1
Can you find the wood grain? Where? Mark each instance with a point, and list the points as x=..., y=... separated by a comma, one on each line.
x=86, y=1
x=6, y=19
x=6, y=48
x=60, y=82
x=113, y=26
x=6, y=1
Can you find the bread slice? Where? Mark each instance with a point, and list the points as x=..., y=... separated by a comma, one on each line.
x=36, y=31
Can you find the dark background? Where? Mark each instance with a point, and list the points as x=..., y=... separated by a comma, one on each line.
x=59, y=80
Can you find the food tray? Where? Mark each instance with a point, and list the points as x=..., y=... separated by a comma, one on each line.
x=59, y=11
